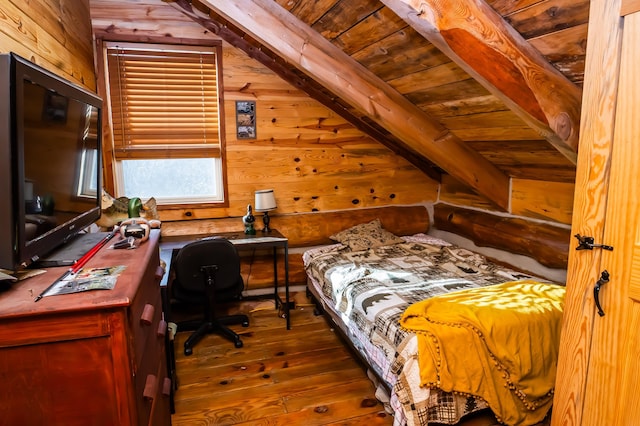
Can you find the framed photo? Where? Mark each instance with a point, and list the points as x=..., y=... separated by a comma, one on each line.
x=246, y=119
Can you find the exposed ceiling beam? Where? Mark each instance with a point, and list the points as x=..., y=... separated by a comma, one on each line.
x=478, y=39
x=311, y=53
x=296, y=78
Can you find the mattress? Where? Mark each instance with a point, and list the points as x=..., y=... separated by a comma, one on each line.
x=366, y=292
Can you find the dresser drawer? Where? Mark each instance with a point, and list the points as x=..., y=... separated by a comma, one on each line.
x=150, y=380
x=160, y=405
x=145, y=315
x=147, y=343
x=149, y=355
x=147, y=325
x=154, y=399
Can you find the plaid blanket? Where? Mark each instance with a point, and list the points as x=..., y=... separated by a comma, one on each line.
x=369, y=290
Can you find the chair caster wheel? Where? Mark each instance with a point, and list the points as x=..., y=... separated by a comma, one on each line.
x=245, y=323
x=238, y=343
x=188, y=351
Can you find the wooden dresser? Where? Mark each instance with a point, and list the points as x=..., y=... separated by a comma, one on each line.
x=92, y=358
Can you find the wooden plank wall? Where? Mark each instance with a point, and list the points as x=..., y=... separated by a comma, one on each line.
x=312, y=158
x=56, y=35
x=537, y=199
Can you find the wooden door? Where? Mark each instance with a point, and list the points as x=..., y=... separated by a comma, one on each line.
x=599, y=366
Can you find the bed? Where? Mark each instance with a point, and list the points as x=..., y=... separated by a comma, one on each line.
x=368, y=280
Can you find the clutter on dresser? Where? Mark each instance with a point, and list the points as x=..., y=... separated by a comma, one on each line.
x=103, y=278
x=115, y=210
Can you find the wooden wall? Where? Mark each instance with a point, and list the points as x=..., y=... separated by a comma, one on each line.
x=536, y=199
x=55, y=34
x=312, y=158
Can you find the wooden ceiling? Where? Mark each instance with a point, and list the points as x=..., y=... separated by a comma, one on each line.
x=483, y=90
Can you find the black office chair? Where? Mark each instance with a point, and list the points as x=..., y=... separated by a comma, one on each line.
x=207, y=272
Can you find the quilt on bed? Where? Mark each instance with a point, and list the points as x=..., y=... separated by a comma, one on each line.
x=514, y=372
x=371, y=289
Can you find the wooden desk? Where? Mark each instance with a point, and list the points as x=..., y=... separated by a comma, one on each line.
x=87, y=358
x=169, y=246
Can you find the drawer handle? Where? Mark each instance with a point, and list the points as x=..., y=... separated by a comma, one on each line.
x=166, y=387
x=162, y=328
x=150, y=387
x=147, y=314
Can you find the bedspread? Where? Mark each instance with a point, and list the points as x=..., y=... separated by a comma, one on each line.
x=370, y=290
x=499, y=342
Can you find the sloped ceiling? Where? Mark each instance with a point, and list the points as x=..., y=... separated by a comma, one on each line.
x=482, y=90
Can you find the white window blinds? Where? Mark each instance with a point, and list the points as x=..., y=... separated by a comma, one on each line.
x=164, y=101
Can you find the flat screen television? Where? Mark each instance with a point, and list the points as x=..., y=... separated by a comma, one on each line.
x=50, y=161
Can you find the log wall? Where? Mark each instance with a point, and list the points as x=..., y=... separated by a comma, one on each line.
x=56, y=35
x=546, y=243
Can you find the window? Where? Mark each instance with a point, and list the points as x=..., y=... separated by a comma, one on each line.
x=86, y=177
x=165, y=112
x=88, y=169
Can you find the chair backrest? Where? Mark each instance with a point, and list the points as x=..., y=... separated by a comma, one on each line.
x=209, y=251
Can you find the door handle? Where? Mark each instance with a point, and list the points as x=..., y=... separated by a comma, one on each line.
x=604, y=278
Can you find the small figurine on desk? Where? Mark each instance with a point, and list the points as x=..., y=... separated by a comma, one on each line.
x=248, y=221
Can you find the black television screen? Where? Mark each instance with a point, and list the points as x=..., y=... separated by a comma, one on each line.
x=53, y=167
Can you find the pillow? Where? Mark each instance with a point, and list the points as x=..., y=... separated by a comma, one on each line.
x=366, y=236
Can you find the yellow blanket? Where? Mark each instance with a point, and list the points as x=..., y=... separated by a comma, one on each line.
x=498, y=342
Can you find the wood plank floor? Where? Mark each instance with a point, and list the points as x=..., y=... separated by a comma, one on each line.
x=303, y=376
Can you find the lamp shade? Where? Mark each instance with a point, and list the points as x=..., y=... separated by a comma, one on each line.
x=265, y=200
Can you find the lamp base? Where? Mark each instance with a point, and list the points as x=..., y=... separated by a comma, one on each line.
x=266, y=219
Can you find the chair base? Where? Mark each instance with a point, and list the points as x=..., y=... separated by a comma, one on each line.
x=217, y=325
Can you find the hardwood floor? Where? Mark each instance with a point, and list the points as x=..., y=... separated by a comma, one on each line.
x=302, y=376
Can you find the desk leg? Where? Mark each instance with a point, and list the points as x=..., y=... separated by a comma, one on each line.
x=279, y=303
x=286, y=286
x=275, y=278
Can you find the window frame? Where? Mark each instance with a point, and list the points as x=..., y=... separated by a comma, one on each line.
x=113, y=169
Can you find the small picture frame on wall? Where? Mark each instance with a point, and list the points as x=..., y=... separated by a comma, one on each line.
x=246, y=119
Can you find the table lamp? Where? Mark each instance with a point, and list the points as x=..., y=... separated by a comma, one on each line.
x=265, y=202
